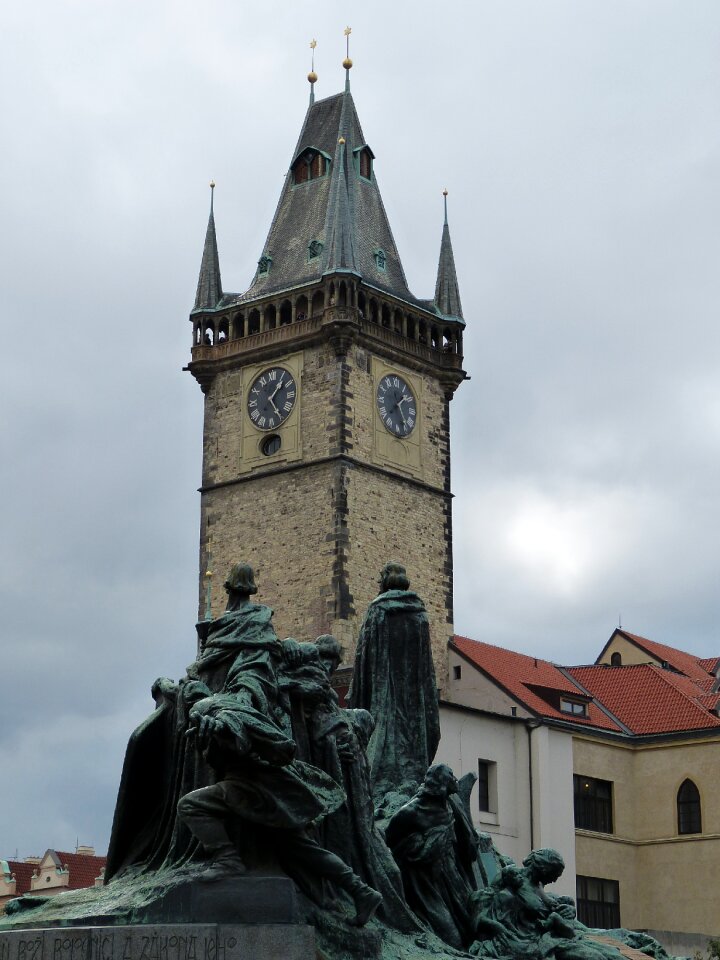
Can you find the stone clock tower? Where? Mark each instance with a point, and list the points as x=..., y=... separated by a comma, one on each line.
x=327, y=389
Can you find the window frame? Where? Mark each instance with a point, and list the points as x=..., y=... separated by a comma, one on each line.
x=487, y=799
x=577, y=708
x=689, y=809
x=604, y=912
x=593, y=801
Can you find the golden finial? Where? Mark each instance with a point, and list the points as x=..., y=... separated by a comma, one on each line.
x=212, y=184
x=445, y=193
x=312, y=76
x=347, y=62
x=341, y=141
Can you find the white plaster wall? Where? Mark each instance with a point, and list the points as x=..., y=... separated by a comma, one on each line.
x=473, y=689
x=552, y=789
x=468, y=736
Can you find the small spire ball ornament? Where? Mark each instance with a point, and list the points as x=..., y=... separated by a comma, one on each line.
x=312, y=76
x=347, y=62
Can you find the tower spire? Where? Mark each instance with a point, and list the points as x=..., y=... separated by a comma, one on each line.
x=447, y=292
x=347, y=62
x=312, y=76
x=209, y=288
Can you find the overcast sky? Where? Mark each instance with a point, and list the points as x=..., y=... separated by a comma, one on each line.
x=580, y=143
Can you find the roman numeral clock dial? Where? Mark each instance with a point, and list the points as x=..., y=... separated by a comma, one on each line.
x=396, y=405
x=271, y=398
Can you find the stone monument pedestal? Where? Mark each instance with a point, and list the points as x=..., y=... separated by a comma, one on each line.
x=254, y=917
x=164, y=941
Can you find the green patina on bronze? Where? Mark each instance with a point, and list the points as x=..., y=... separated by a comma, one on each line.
x=249, y=772
x=394, y=679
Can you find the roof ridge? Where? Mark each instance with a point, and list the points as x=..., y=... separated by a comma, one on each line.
x=661, y=646
x=598, y=703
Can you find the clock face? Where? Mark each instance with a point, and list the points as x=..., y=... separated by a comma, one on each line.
x=396, y=405
x=271, y=398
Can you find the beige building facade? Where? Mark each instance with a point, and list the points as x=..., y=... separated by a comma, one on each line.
x=614, y=764
x=668, y=880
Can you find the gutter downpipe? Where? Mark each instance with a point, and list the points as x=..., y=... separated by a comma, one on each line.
x=531, y=725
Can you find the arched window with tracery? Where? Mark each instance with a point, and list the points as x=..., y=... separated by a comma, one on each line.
x=688, y=808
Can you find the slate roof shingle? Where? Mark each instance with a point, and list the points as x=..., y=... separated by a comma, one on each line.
x=342, y=210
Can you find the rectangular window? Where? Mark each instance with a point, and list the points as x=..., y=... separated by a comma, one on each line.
x=574, y=707
x=593, y=804
x=483, y=785
x=598, y=902
x=487, y=786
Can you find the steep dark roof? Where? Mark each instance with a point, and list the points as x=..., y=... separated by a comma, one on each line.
x=342, y=210
x=447, y=292
x=209, y=288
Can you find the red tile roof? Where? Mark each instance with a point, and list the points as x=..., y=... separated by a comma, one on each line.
x=523, y=677
x=685, y=663
x=646, y=698
x=23, y=874
x=709, y=663
x=84, y=869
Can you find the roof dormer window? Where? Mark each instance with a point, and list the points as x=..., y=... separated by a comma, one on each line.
x=364, y=162
x=315, y=248
x=310, y=165
x=380, y=259
x=264, y=264
x=575, y=708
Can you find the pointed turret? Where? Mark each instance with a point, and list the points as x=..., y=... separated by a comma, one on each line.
x=447, y=292
x=209, y=288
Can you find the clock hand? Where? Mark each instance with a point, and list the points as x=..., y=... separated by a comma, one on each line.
x=272, y=395
x=270, y=400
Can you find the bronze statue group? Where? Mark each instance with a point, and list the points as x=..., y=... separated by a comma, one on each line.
x=250, y=760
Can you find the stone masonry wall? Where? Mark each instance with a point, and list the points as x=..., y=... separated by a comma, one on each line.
x=390, y=520
x=280, y=525
x=318, y=533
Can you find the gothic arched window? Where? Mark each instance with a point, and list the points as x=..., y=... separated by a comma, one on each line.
x=688, y=808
